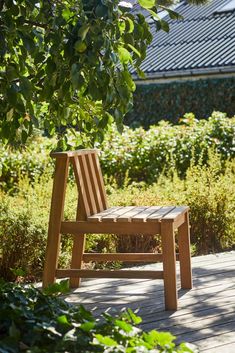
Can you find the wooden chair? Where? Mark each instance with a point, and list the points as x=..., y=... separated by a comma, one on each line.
x=94, y=216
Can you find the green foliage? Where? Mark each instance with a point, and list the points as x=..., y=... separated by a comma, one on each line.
x=32, y=321
x=170, y=101
x=24, y=219
x=136, y=155
x=144, y=155
x=23, y=231
x=208, y=191
x=30, y=161
x=65, y=64
x=162, y=155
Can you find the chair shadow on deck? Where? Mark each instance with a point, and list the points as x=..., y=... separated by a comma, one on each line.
x=206, y=311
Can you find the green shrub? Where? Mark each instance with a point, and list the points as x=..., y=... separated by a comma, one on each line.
x=23, y=228
x=33, y=321
x=29, y=161
x=208, y=191
x=23, y=221
x=143, y=155
x=136, y=155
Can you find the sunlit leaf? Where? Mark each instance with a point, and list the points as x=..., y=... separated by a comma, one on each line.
x=147, y=4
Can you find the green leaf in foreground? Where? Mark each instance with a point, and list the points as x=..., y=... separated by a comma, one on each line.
x=32, y=321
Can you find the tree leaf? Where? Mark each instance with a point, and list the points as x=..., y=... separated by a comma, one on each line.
x=63, y=320
x=82, y=32
x=165, y=26
x=105, y=340
x=101, y=11
x=26, y=88
x=124, y=55
x=134, y=50
x=80, y=46
x=147, y=4
x=129, y=25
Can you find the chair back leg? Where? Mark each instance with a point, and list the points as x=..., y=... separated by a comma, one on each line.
x=184, y=254
x=77, y=255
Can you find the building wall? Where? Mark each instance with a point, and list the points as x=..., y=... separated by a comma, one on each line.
x=170, y=101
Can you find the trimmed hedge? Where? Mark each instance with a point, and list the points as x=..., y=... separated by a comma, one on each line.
x=170, y=101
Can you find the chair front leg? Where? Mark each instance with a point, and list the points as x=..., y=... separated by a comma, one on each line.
x=169, y=265
x=56, y=215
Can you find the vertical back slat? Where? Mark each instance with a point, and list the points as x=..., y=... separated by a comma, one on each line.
x=87, y=183
x=90, y=182
x=100, y=181
x=94, y=183
x=81, y=185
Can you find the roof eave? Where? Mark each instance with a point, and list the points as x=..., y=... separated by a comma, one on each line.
x=186, y=73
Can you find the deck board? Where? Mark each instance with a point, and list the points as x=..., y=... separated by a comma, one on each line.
x=206, y=314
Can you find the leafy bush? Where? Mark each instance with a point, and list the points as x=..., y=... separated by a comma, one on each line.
x=143, y=155
x=208, y=191
x=33, y=321
x=23, y=223
x=31, y=160
x=137, y=155
x=23, y=228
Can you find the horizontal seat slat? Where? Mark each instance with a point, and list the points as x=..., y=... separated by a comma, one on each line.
x=127, y=217
x=97, y=217
x=114, y=215
x=142, y=216
x=159, y=214
x=139, y=214
x=176, y=212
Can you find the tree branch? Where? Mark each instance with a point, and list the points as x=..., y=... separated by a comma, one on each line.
x=37, y=24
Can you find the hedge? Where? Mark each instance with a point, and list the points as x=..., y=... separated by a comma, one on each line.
x=170, y=101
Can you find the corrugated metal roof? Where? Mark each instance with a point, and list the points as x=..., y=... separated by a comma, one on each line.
x=203, y=39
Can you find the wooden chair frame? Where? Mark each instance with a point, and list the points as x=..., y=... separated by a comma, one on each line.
x=94, y=216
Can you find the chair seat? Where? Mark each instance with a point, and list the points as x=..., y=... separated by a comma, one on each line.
x=139, y=214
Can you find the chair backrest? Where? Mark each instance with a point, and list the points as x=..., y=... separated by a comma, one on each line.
x=89, y=179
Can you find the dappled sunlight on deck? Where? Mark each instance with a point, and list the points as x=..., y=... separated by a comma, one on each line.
x=206, y=314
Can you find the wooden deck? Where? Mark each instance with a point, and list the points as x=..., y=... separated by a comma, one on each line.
x=206, y=315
